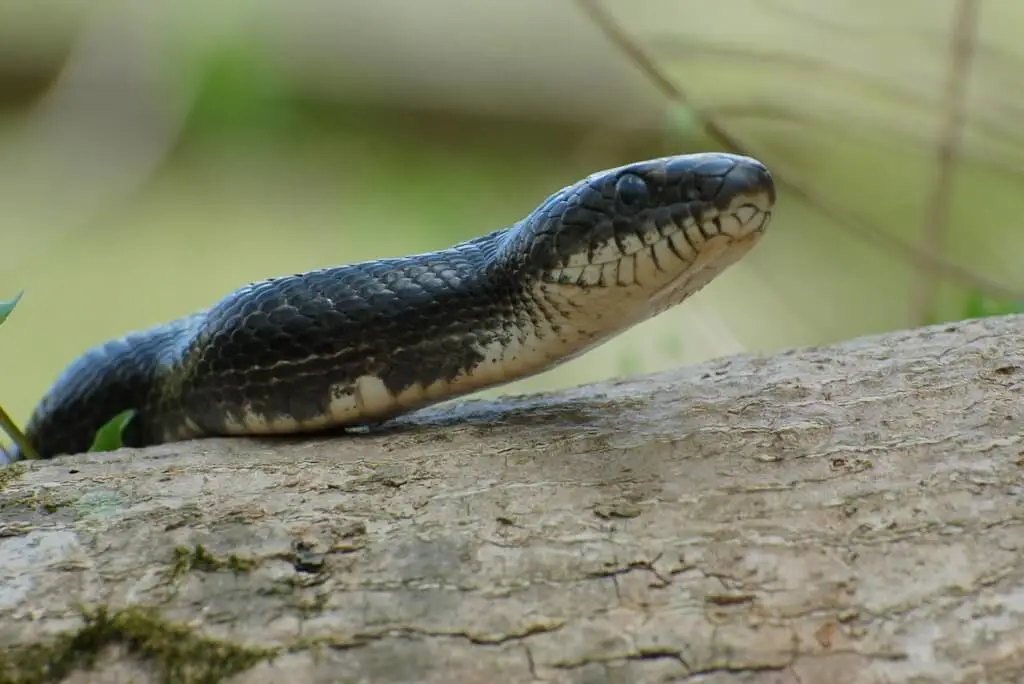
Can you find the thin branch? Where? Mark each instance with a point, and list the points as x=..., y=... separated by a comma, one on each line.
x=935, y=228
x=667, y=88
x=797, y=186
x=17, y=436
x=994, y=125
x=903, y=136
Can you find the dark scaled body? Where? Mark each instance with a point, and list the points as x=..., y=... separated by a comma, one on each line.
x=280, y=354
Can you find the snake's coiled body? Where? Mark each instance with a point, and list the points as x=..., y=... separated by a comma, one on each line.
x=365, y=342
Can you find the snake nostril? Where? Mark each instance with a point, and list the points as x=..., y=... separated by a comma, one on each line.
x=747, y=177
x=765, y=182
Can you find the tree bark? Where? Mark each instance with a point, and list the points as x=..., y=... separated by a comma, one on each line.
x=845, y=515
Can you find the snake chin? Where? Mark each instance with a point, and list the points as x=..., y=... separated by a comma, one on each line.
x=721, y=253
x=737, y=237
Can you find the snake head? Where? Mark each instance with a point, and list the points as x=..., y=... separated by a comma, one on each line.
x=657, y=229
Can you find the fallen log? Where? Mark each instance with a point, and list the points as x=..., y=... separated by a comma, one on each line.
x=844, y=515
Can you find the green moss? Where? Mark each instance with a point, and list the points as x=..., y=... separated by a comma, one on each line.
x=238, y=564
x=198, y=558
x=11, y=473
x=37, y=499
x=175, y=654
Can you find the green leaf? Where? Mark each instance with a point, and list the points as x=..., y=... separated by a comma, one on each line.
x=240, y=90
x=7, y=307
x=111, y=436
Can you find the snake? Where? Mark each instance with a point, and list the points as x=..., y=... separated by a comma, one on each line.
x=362, y=343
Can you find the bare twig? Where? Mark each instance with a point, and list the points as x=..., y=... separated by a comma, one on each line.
x=797, y=186
x=936, y=211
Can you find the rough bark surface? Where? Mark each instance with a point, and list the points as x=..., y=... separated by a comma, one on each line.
x=844, y=515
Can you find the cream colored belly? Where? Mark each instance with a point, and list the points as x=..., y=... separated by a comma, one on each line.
x=368, y=399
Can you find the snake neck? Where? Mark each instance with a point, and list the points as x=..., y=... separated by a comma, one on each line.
x=505, y=321
x=364, y=342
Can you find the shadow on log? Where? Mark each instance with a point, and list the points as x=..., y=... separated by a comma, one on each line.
x=838, y=515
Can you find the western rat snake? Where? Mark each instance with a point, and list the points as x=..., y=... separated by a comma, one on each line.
x=365, y=342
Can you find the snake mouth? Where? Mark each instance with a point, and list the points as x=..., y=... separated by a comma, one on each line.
x=676, y=242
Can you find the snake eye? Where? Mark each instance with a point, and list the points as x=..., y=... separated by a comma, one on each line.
x=631, y=192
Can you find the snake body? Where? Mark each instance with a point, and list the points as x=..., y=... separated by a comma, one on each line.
x=364, y=342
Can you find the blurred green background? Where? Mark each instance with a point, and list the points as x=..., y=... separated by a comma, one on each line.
x=154, y=156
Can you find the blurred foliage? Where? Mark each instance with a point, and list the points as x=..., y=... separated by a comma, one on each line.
x=242, y=92
x=979, y=305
